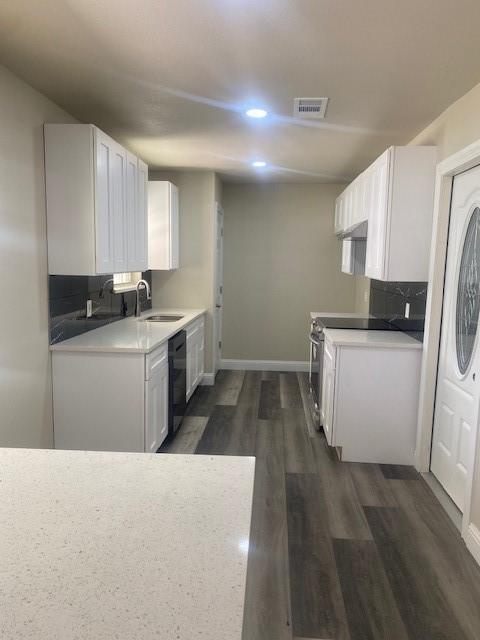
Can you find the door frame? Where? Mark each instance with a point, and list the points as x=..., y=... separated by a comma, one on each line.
x=467, y=158
x=217, y=352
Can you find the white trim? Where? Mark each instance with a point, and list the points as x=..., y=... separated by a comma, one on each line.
x=208, y=380
x=472, y=540
x=217, y=208
x=455, y=164
x=265, y=365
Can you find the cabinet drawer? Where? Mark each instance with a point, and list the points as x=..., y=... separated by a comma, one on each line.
x=155, y=360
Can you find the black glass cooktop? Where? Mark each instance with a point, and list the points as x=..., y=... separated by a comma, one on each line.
x=372, y=324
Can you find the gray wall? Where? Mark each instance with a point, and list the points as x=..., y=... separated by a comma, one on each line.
x=25, y=371
x=191, y=286
x=281, y=261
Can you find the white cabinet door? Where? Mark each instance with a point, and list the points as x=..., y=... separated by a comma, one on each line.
x=163, y=226
x=195, y=355
x=190, y=368
x=131, y=185
x=136, y=200
x=103, y=204
x=201, y=355
x=359, y=215
x=110, y=205
x=377, y=204
x=141, y=222
x=156, y=414
x=119, y=209
x=328, y=391
x=174, y=229
x=198, y=358
x=339, y=213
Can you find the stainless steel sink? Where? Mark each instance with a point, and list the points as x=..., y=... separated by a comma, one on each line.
x=163, y=318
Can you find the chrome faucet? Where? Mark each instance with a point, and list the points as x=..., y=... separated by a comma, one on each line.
x=141, y=284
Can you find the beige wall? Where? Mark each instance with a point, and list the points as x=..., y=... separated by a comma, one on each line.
x=281, y=261
x=454, y=129
x=25, y=372
x=362, y=294
x=191, y=286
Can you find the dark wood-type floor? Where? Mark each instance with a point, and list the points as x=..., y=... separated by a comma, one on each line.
x=337, y=550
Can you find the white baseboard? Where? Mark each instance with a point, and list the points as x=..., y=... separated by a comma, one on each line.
x=208, y=379
x=472, y=540
x=265, y=365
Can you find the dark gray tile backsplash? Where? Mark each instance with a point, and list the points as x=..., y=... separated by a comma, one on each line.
x=68, y=297
x=387, y=301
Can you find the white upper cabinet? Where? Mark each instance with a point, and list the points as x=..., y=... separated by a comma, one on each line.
x=376, y=198
x=96, y=203
x=163, y=226
x=393, y=200
x=137, y=214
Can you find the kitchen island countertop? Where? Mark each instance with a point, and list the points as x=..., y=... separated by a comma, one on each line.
x=125, y=546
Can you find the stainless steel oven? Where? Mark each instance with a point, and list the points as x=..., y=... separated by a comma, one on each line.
x=316, y=369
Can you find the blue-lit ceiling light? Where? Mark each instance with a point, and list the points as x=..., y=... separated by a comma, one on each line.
x=256, y=113
x=259, y=164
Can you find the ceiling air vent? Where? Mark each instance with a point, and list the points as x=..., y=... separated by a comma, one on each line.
x=309, y=107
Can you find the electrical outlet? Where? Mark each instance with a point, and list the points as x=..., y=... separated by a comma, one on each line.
x=365, y=296
x=89, y=309
x=407, y=310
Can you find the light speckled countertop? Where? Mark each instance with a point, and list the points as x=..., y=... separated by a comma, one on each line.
x=369, y=338
x=125, y=546
x=133, y=335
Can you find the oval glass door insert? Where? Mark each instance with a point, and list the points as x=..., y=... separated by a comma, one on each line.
x=468, y=293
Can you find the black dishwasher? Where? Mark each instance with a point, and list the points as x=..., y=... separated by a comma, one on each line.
x=177, y=381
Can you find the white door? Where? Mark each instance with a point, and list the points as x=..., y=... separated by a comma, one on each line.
x=458, y=390
x=218, y=287
x=156, y=415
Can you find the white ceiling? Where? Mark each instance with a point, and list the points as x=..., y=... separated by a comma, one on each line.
x=171, y=78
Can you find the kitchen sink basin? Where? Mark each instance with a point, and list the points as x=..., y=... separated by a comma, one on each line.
x=163, y=318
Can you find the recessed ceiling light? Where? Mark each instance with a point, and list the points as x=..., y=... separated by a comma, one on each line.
x=258, y=164
x=256, y=113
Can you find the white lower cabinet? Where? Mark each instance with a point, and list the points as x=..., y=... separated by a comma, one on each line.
x=370, y=402
x=195, y=354
x=156, y=408
x=110, y=401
